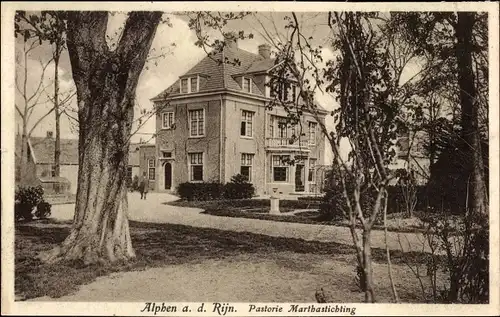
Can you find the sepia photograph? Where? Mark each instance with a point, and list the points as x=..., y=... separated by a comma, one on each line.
x=250, y=159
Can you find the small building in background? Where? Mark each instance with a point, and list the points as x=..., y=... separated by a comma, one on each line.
x=40, y=169
x=41, y=164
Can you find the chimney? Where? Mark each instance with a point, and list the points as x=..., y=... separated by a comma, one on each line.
x=50, y=134
x=265, y=51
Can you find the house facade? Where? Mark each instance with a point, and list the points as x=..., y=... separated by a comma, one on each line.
x=213, y=123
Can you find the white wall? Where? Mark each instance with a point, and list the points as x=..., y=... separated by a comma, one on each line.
x=71, y=173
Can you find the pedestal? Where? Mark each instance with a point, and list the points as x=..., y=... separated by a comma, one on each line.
x=275, y=206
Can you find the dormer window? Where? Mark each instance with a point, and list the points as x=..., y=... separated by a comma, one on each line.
x=189, y=85
x=184, y=85
x=247, y=84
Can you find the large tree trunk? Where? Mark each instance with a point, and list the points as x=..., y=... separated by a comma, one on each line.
x=106, y=82
x=470, y=111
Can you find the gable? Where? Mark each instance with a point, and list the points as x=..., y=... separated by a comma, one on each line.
x=44, y=148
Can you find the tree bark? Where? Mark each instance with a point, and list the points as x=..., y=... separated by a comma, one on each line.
x=57, y=145
x=23, y=166
x=106, y=82
x=367, y=266
x=470, y=111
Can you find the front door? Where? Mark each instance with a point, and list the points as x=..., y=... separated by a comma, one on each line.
x=168, y=175
x=299, y=178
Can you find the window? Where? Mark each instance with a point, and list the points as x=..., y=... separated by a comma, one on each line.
x=247, y=84
x=272, y=92
x=282, y=130
x=280, y=168
x=184, y=85
x=246, y=165
x=294, y=93
x=53, y=170
x=196, y=167
x=194, y=84
x=312, y=170
x=190, y=84
x=312, y=132
x=151, y=169
x=285, y=90
x=196, y=123
x=129, y=173
x=166, y=154
x=293, y=131
x=168, y=120
x=246, y=123
x=271, y=126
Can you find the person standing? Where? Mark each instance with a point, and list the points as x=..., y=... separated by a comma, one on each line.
x=143, y=187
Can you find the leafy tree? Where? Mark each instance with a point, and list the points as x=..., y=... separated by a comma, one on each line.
x=458, y=41
x=366, y=87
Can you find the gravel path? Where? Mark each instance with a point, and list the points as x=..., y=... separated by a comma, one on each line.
x=154, y=210
x=280, y=277
x=276, y=277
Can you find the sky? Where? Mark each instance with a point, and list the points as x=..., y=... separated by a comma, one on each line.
x=159, y=73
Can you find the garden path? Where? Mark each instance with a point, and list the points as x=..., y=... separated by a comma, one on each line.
x=155, y=210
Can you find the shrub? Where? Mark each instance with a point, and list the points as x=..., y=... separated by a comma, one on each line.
x=23, y=211
x=311, y=198
x=43, y=210
x=31, y=195
x=333, y=202
x=27, y=198
x=200, y=191
x=238, y=188
x=459, y=248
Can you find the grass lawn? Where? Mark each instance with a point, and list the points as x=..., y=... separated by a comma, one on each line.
x=159, y=245
x=259, y=209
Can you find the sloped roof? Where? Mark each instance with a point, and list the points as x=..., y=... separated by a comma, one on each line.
x=261, y=66
x=44, y=148
x=221, y=72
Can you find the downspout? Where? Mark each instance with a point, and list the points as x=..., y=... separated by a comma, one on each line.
x=221, y=178
x=265, y=151
x=222, y=136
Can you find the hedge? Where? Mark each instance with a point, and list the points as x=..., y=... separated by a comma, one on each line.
x=238, y=188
